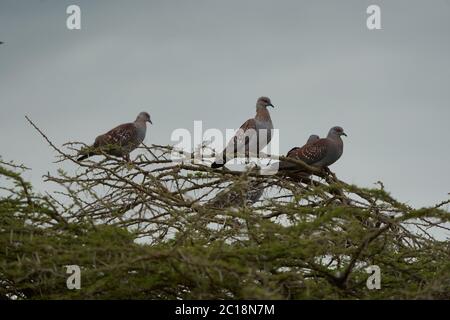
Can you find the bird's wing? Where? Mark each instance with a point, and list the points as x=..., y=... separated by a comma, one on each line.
x=311, y=152
x=121, y=135
x=242, y=136
x=292, y=152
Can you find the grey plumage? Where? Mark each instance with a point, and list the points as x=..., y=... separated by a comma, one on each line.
x=322, y=152
x=312, y=138
x=119, y=141
x=238, y=195
x=286, y=165
x=250, y=137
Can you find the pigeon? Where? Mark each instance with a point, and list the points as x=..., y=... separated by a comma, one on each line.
x=321, y=152
x=249, y=137
x=289, y=165
x=246, y=194
x=119, y=141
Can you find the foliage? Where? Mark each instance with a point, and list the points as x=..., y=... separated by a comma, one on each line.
x=155, y=229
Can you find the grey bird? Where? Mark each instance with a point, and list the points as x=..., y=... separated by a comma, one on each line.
x=246, y=194
x=250, y=136
x=119, y=141
x=322, y=152
x=289, y=165
x=312, y=138
x=249, y=195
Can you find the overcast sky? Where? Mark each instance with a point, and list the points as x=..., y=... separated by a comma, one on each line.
x=210, y=60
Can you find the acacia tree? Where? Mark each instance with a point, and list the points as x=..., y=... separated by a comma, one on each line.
x=158, y=229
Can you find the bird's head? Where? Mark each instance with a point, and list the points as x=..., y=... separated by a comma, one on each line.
x=263, y=102
x=144, y=117
x=337, y=131
x=312, y=138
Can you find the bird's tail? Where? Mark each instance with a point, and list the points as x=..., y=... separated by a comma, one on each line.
x=216, y=165
x=83, y=157
x=85, y=153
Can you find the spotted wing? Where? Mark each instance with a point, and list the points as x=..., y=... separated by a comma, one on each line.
x=291, y=153
x=121, y=136
x=310, y=153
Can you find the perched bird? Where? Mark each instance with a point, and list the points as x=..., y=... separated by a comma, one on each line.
x=245, y=194
x=119, y=141
x=252, y=136
x=321, y=152
x=285, y=165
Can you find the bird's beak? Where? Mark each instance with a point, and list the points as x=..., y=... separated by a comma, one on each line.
x=271, y=105
x=344, y=134
x=150, y=121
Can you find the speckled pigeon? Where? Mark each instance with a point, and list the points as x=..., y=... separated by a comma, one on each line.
x=322, y=152
x=289, y=165
x=248, y=137
x=244, y=194
x=121, y=140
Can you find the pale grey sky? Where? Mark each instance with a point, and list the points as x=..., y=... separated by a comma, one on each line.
x=210, y=60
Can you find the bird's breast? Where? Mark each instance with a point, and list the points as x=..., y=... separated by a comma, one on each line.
x=141, y=131
x=265, y=127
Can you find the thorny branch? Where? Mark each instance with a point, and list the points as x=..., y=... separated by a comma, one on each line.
x=238, y=229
